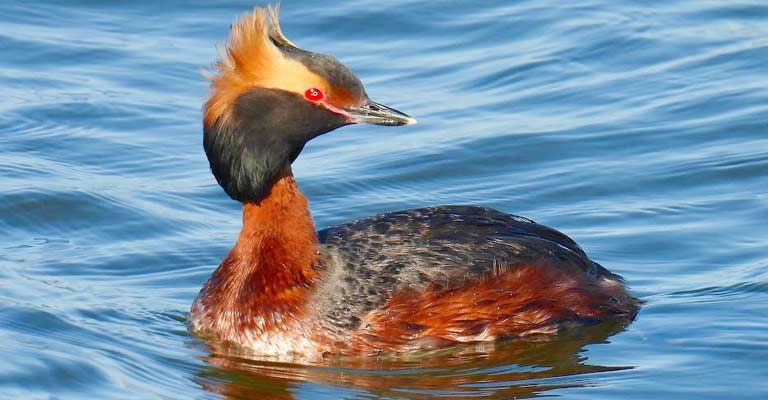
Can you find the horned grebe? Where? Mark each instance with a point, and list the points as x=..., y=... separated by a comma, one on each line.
x=396, y=282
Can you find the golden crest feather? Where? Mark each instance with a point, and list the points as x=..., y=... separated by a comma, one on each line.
x=251, y=59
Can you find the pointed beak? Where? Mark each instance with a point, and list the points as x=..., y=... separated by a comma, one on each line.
x=377, y=114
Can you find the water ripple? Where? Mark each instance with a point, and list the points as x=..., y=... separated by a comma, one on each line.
x=640, y=130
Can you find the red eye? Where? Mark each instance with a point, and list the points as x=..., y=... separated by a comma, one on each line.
x=313, y=94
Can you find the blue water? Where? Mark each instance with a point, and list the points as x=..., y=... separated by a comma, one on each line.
x=638, y=128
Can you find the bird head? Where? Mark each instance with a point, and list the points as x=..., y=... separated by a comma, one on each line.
x=268, y=98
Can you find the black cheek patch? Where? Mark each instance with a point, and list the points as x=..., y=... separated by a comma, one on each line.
x=267, y=131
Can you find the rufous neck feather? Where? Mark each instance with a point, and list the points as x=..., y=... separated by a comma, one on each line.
x=278, y=229
x=266, y=279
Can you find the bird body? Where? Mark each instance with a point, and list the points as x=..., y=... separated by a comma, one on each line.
x=397, y=282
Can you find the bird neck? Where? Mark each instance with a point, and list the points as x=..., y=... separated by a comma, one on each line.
x=266, y=279
x=278, y=239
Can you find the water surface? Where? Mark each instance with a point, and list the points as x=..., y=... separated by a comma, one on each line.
x=638, y=128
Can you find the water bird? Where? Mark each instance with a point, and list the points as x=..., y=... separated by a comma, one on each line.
x=392, y=283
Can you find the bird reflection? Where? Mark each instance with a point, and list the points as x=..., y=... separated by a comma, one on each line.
x=507, y=369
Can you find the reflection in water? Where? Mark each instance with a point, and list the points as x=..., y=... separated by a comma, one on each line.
x=511, y=369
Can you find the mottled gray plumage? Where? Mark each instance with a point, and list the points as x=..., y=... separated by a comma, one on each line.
x=366, y=261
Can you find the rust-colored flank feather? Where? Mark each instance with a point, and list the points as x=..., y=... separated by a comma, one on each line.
x=517, y=301
x=250, y=60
